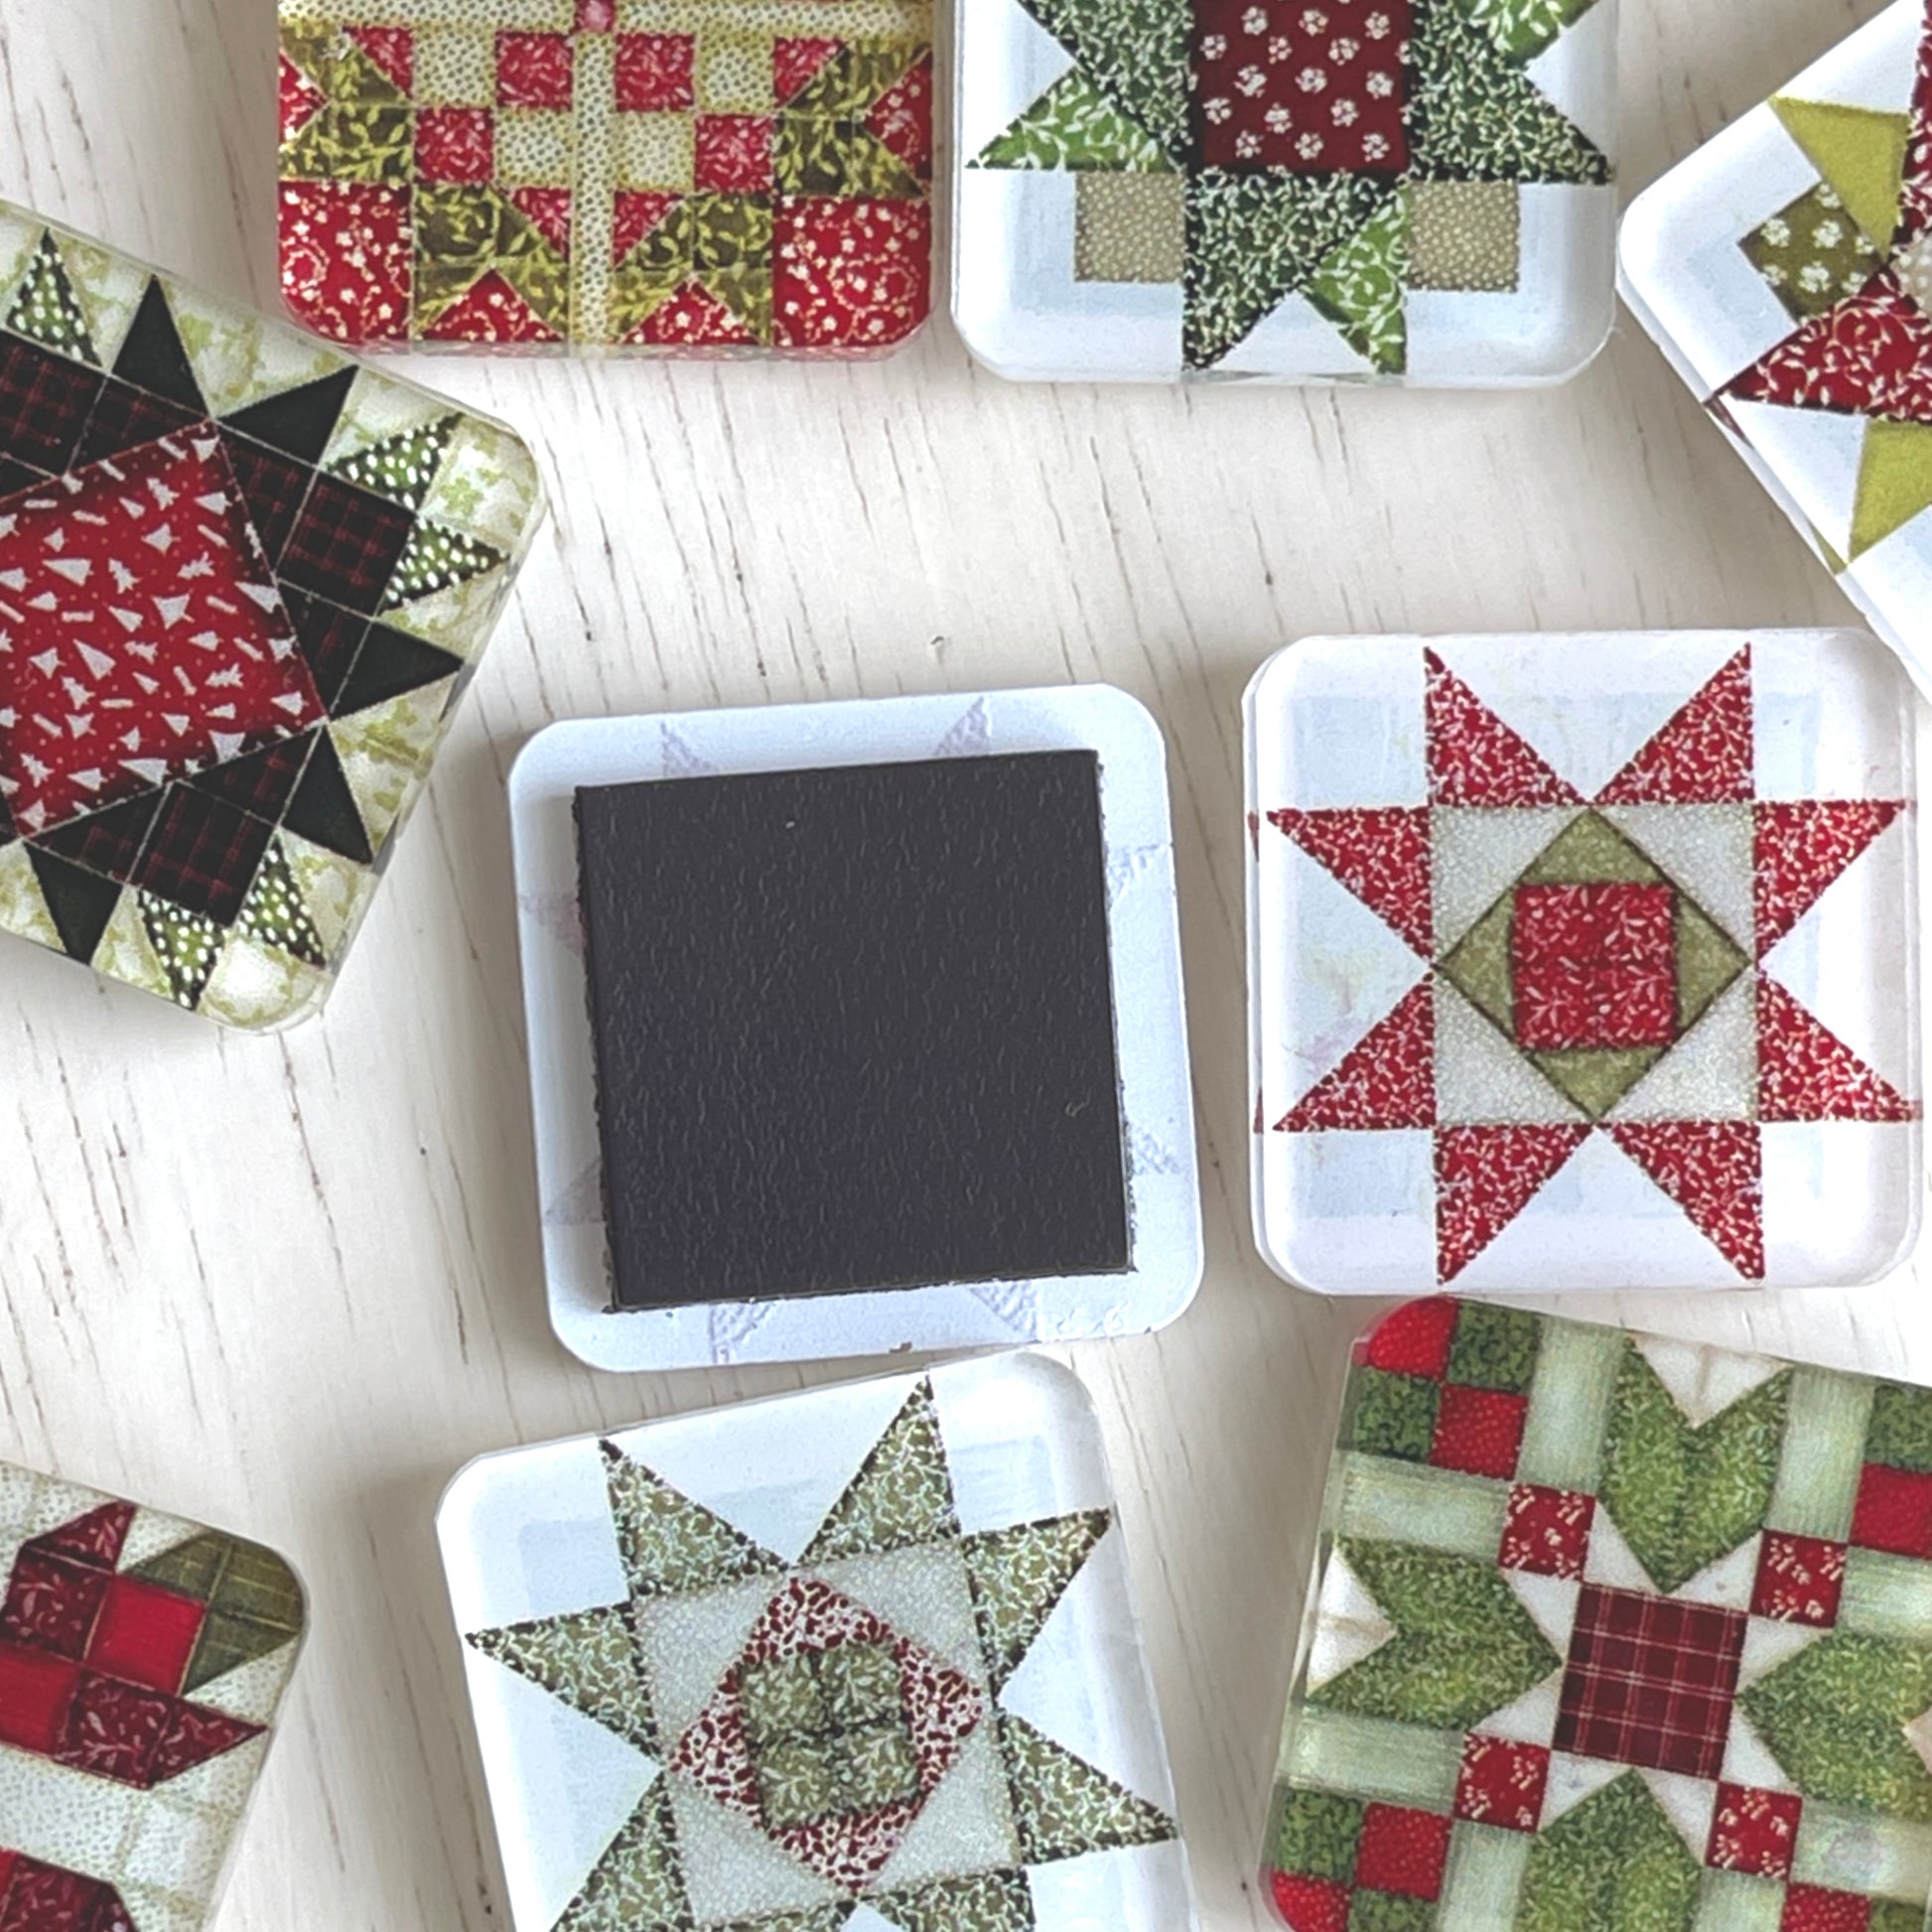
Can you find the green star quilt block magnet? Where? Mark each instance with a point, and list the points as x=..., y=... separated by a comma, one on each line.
x=1397, y=191
x=860, y=1660
x=243, y=582
x=719, y=177
x=1579, y=961
x=143, y=1662
x=1783, y=270
x=1610, y=1634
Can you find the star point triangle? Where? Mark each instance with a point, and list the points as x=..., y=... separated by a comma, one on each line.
x=1065, y=1807
x=1713, y=1171
x=1703, y=755
x=1800, y=848
x=1475, y=758
x=587, y=1660
x=1860, y=153
x=1485, y=1176
x=669, y=1545
x=901, y=1495
x=1805, y=1073
x=1018, y=1576
x=1387, y=1079
x=1381, y=853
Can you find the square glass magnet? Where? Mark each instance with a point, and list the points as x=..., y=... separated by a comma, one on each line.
x=1611, y=1630
x=1342, y=191
x=856, y=1028
x=1582, y=962
x=861, y=1660
x=1786, y=271
x=142, y=1665
x=242, y=583
x=699, y=175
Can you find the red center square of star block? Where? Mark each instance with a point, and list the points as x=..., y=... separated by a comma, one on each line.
x=655, y=72
x=1593, y=966
x=1402, y=1851
x=456, y=144
x=535, y=71
x=1799, y=1579
x=35, y=1690
x=1754, y=1831
x=1478, y=1431
x=1546, y=1531
x=1501, y=1782
x=1811, y=1909
x=734, y=154
x=1650, y=1681
x=145, y=1634
x=1312, y=86
x=1893, y=1512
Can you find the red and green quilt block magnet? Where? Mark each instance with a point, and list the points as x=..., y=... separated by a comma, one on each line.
x=1610, y=1631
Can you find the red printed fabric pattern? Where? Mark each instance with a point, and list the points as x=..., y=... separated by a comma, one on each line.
x=726, y=181
x=233, y=619
x=1658, y=1635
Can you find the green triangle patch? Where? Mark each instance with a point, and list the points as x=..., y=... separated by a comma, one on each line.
x=438, y=559
x=276, y=914
x=590, y=1661
x=188, y=946
x=1074, y=125
x=1064, y=1807
x=669, y=1545
x=401, y=467
x=1895, y=480
x=1614, y=1863
x=1860, y=151
x=1133, y=51
x=46, y=308
x=989, y=1901
x=636, y=1885
x=1019, y=1576
x=901, y=1495
x=1360, y=288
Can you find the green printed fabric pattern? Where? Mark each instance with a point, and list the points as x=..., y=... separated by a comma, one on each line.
x=1612, y=1635
x=1345, y=154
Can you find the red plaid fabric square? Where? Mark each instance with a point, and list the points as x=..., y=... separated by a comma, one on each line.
x=1754, y=1831
x=456, y=144
x=1546, y=1531
x=1402, y=1851
x=273, y=490
x=203, y=854
x=1811, y=1909
x=1501, y=1782
x=1650, y=1681
x=347, y=544
x=535, y=71
x=1594, y=966
x=45, y=402
x=1413, y=1339
x=655, y=72
x=1478, y=1431
x=1314, y=89
x=1799, y=1579
x=1893, y=1511
x=125, y=417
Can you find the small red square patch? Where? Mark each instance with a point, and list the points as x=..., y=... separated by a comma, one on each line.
x=1478, y=1431
x=35, y=1693
x=1593, y=966
x=456, y=144
x=1402, y=1851
x=1894, y=1511
x=1413, y=1339
x=1811, y=1909
x=145, y=1634
x=1501, y=1782
x=1754, y=1831
x=1799, y=1579
x=1310, y=1904
x=1546, y=1531
x=535, y=71
x=734, y=154
x=655, y=72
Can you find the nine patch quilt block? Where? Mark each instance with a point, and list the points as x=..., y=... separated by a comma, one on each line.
x=242, y=583
x=142, y=1665
x=1351, y=190
x=854, y=1661
x=1612, y=1631
x=1784, y=270
x=654, y=174
x=1583, y=961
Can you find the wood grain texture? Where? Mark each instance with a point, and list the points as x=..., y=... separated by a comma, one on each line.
x=306, y=1269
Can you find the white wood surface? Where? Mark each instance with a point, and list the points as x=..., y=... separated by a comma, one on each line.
x=289, y=1286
